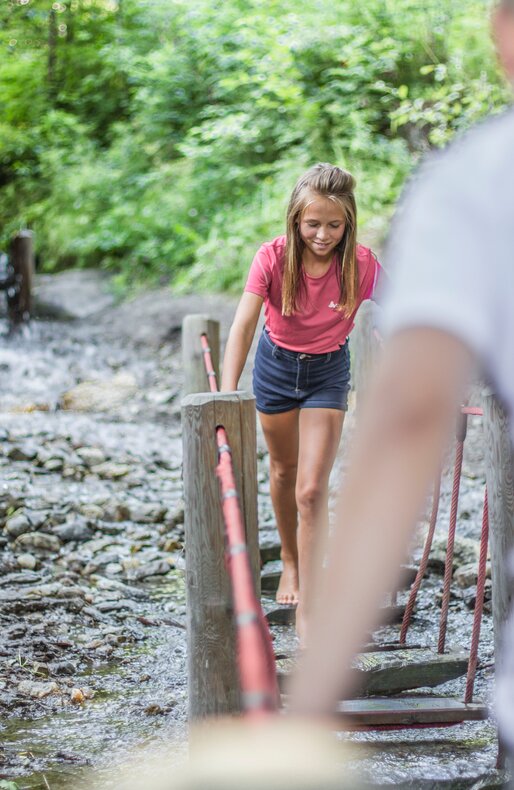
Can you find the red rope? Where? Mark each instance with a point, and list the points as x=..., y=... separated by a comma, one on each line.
x=448, y=567
x=479, y=604
x=209, y=367
x=256, y=659
x=424, y=562
x=474, y=410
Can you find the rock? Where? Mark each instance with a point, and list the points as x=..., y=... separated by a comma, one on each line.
x=91, y=512
x=18, y=525
x=27, y=452
x=26, y=561
x=63, y=668
x=110, y=470
x=118, y=512
x=54, y=464
x=99, y=395
x=40, y=669
x=39, y=541
x=176, y=516
x=38, y=518
x=26, y=577
x=76, y=530
x=155, y=568
x=90, y=456
x=146, y=513
x=467, y=575
x=466, y=552
x=77, y=696
x=171, y=544
x=37, y=690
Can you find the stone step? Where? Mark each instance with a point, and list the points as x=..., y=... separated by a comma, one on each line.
x=285, y=614
x=391, y=672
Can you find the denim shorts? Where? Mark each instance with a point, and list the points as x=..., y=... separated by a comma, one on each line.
x=284, y=380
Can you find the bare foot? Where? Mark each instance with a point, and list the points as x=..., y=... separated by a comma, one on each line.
x=287, y=592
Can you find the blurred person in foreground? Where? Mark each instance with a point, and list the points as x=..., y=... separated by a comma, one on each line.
x=450, y=307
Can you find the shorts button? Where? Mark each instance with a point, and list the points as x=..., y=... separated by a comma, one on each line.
x=303, y=356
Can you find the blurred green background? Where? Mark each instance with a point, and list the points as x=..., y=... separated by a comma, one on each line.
x=160, y=139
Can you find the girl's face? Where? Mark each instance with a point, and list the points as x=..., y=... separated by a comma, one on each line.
x=322, y=226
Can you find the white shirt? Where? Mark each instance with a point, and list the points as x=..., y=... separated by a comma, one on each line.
x=451, y=252
x=451, y=259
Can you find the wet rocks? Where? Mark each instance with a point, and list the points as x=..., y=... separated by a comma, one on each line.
x=91, y=456
x=26, y=561
x=26, y=452
x=39, y=542
x=18, y=525
x=76, y=529
x=100, y=395
x=467, y=575
x=110, y=470
x=38, y=690
x=156, y=568
x=466, y=552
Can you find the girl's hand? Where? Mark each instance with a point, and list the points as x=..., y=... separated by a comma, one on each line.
x=240, y=339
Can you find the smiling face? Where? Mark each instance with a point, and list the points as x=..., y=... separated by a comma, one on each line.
x=322, y=226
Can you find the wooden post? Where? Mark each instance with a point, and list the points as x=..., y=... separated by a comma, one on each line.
x=195, y=377
x=364, y=348
x=213, y=681
x=22, y=259
x=500, y=489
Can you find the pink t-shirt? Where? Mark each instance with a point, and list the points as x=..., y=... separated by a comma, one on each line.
x=318, y=327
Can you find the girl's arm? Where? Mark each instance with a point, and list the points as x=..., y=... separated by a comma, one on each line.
x=240, y=339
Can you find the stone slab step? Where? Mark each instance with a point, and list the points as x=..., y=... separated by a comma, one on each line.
x=386, y=673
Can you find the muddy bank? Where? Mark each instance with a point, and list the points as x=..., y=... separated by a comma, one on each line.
x=92, y=644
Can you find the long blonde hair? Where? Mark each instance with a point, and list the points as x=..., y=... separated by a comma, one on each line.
x=322, y=180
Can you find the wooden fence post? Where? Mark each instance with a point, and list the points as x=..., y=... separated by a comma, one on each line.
x=195, y=377
x=213, y=680
x=500, y=489
x=364, y=348
x=22, y=258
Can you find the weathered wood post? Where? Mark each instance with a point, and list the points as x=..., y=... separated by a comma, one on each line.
x=195, y=377
x=364, y=349
x=22, y=259
x=213, y=681
x=500, y=489
x=212, y=672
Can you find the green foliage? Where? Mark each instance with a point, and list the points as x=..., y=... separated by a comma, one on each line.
x=161, y=139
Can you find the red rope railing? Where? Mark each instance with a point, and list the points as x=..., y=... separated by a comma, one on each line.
x=448, y=566
x=424, y=562
x=255, y=656
x=479, y=604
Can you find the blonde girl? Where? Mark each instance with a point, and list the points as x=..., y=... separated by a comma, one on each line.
x=311, y=282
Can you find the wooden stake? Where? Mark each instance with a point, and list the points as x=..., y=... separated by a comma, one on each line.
x=364, y=348
x=195, y=376
x=500, y=489
x=22, y=257
x=213, y=681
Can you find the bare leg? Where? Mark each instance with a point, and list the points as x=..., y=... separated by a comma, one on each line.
x=281, y=434
x=320, y=432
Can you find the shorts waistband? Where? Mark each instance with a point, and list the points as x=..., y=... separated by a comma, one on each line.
x=301, y=355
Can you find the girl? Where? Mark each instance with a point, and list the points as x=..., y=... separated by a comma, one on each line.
x=311, y=282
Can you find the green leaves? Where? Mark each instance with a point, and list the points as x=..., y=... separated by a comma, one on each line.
x=161, y=140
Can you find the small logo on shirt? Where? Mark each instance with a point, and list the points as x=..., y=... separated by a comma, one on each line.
x=333, y=305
